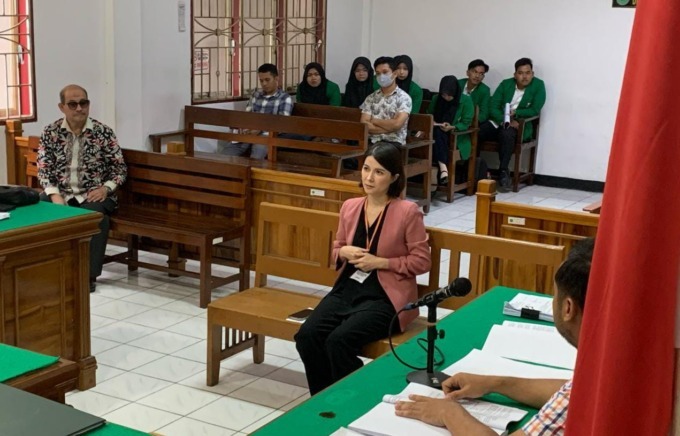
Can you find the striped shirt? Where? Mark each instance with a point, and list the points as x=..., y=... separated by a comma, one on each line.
x=551, y=419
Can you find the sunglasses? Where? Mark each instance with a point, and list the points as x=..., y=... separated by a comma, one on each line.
x=73, y=105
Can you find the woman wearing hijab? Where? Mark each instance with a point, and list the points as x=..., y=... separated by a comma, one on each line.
x=360, y=83
x=316, y=89
x=452, y=110
x=406, y=83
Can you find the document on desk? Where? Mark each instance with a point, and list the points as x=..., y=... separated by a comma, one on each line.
x=485, y=363
x=4, y=215
x=382, y=421
x=531, y=346
x=530, y=306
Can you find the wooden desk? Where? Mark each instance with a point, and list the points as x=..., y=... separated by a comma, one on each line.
x=44, y=289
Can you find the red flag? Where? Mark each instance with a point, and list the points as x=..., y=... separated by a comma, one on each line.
x=623, y=382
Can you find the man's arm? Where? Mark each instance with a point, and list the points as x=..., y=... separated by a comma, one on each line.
x=537, y=101
x=442, y=413
x=532, y=392
x=484, y=102
x=497, y=103
x=368, y=119
x=393, y=124
x=47, y=171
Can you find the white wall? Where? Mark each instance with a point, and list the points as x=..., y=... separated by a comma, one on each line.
x=578, y=47
x=345, y=37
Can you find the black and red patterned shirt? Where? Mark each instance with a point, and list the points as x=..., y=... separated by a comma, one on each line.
x=99, y=160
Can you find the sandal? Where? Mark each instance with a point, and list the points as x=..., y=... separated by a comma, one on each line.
x=443, y=177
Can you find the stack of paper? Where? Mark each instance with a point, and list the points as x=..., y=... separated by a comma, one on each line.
x=531, y=345
x=539, y=307
x=382, y=420
x=4, y=215
x=485, y=363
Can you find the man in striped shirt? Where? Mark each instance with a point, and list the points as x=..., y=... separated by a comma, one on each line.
x=551, y=396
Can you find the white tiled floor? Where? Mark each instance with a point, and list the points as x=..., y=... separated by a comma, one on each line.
x=148, y=335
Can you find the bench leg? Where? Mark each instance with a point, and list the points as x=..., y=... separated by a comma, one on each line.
x=206, y=274
x=214, y=351
x=133, y=250
x=516, y=174
x=258, y=349
x=174, y=261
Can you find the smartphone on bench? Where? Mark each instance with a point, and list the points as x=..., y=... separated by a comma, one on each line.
x=300, y=316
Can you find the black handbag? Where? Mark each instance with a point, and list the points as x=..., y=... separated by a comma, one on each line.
x=14, y=195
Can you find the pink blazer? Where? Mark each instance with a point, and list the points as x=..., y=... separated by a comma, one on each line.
x=403, y=241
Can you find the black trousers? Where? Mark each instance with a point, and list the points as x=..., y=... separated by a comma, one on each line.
x=98, y=241
x=331, y=339
x=506, y=138
x=440, y=148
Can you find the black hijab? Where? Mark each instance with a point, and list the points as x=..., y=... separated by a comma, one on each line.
x=310, y=94
x=444, y=111
x=355, y=91
x=405, y=84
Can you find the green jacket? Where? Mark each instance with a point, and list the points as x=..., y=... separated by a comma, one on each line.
x=481, y=97
x=531, y=104
x=461, y=121
x=332, y=92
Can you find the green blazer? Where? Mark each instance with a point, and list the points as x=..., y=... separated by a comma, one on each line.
x=332, y=92
x=531, y=104
x=481, y=97
x=461, y=121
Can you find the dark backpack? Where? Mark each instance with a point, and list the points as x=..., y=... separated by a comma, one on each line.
x=13, y=195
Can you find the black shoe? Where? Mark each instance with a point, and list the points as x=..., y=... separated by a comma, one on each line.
x=443, y=178
x=93, y=285
x=504, y=183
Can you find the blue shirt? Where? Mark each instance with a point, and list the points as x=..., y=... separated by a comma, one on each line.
x=279, y=103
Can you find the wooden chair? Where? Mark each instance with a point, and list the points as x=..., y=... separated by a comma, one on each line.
x=521, y=147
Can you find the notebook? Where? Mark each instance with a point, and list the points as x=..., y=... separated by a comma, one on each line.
x=24, y=414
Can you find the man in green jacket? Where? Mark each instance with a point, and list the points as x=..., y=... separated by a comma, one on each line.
x=525, y=95
x=478, y=91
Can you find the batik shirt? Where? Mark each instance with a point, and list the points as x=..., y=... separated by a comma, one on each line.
x=386, y=107
x=72, y=165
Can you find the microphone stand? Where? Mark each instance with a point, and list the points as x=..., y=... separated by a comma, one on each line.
x=429, y=377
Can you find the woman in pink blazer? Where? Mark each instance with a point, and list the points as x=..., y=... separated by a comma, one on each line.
x=380, y=248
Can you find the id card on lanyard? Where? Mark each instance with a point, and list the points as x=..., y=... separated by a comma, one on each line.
x=361, y=276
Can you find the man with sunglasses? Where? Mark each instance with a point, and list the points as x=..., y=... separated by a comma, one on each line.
x=80, y=164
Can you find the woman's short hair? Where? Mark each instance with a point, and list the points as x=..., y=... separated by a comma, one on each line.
x=388, y=156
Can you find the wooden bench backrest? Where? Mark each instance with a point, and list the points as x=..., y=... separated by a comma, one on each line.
x=283, y=228
x=522, y=265
x=296, y=243
x=22, y=155
x=276, y=125
x=190, y=183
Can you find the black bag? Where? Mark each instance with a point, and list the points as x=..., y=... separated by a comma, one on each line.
x=13, y=195
x=481, y=170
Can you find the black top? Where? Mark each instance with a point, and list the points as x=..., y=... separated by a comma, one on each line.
x=310, y=94
x=355, y=91
x=369, y=294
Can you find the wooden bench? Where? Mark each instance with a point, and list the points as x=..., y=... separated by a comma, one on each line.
x=521, y=147
x=416, y=153
x=22, y=156
x=185, y=201
x=454, y=157
x=323, y=156
x=296, y=244
x=523, y=222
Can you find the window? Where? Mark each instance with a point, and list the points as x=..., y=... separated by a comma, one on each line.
x=17, y=90
x=232, y=38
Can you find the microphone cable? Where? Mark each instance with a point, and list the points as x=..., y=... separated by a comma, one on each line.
x=419, y=341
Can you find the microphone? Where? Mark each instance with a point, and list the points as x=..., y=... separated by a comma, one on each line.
x=460, y=287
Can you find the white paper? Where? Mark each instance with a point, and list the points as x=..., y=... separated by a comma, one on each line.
x=382, y=421
x=521, y=301
x=343, y=431
x=529, y=326
x=4, y=215
x=484, y=363
x=530, y=346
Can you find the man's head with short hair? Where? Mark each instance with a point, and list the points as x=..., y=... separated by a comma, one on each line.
x=571, y=286
x=75, y=105
x=268, y=75
x=385, y=66
x=476, y=71
x=524, y=72
x=385, y=60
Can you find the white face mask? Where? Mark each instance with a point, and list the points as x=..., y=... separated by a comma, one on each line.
x=385, y=80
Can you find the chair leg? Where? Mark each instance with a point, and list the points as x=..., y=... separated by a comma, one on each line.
x=174, y=261
x=451, y=167
x=206, y=274
x=214, y=351
x=133, y=252
x=244, y=267
x=515, y=174
x=532, y=166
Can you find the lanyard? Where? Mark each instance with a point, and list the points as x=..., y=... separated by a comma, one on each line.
x=369, y=239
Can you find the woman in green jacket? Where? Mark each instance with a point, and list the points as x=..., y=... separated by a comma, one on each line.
x=406, y=83
x=316, y=89
x=452, y=111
